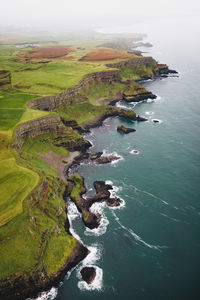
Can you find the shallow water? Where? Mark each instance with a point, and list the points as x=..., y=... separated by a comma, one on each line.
x=149, y=247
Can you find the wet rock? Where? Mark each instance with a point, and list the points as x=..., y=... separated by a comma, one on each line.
x=141, y=119
x=88, y=274
x=113, y=201
x=124, y=129
x=106, y=159
x=155, y=121
x=96, y=155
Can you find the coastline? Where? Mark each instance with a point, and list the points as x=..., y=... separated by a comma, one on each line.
x=97, y=122
x=73, y=260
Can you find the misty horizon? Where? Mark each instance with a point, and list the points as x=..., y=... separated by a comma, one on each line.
x=60, y=15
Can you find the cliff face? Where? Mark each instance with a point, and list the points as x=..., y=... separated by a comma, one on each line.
x=5, y=79
x=37, y=127
x=76, y=94
x=134, y=62
x=21, y=287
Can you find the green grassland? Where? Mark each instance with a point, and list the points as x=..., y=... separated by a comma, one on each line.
x=32, y=208
x=43, y=215
x=82, y=112
x=16, y=184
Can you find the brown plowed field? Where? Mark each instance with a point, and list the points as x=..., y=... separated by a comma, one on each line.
x=48, y=52
x=102, y=54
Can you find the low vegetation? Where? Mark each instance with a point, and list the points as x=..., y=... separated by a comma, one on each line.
x=32, y=210
x=106, y=54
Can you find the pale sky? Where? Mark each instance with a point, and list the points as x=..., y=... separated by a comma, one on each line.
x=50, y=13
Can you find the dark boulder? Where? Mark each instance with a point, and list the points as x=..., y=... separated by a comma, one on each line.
x=124, y=129
x=96, y=155
x=106, y=159
x=88, y=274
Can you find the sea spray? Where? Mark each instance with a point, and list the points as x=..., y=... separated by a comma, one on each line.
x=90, y=261
x=49, y=295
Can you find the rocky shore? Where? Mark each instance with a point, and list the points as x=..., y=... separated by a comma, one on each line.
x=75, y=191
x=68, y=134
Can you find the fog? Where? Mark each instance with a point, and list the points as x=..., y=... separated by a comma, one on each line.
x=79, y=14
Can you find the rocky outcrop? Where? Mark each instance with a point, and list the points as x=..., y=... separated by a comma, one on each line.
x=153, y=69
x=106, y=159
x=5, y=79
x=134, y=62
x=124, y=129
x=103, y=194
x=38, y=127
x=88, y=274
x=76, y=144
x=96, y=155
x=164, y=70
x=76, y=94
x=76, y=189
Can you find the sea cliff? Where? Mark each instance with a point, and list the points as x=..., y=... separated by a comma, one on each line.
x=46, y=245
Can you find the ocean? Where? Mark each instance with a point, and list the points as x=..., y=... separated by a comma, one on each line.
x=149, y=248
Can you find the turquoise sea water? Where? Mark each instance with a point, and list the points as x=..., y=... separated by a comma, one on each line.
x=150, y=247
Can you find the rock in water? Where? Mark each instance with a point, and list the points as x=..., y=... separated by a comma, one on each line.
x=124, y=129
x=106, y=159
x=96, y=155
x=88, y=274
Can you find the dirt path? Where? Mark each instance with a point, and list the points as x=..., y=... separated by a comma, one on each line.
x=59, y=163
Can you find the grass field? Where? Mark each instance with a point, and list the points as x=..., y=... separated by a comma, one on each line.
x=16, y=184
x=32, y=208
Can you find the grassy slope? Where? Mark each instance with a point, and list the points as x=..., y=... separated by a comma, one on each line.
x=28, y=225
x=22, y=182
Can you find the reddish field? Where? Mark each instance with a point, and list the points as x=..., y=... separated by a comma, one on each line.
x=48, y=52
x=102, y=54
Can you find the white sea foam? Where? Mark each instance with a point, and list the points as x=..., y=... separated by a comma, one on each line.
x=137, y=237
x=73, y=213
x=50, y=295
x=114, y=153
x=150, y=100
x=109, y=182
x=149, y=113
x=134, y=152
x=113, y=193
x=90, y=261
x=120, y=105
x=97, y=283
x=101, y=229
x=91, y=143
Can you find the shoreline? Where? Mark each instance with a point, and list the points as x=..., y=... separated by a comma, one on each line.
x=26, y=287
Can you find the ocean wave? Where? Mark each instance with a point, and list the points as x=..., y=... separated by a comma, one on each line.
x=150, y=100
x=49, y=295
x=136, y=237
x=114, y=153
x=173, y=219
x=120, y=105
x=90, y=261
x=149, y=113
x=113, y=193
x=72, y=214
x=134, y=152
x=145, y=192
x=101, y=229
